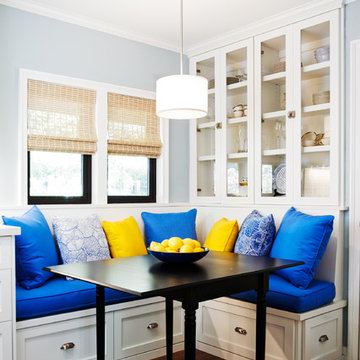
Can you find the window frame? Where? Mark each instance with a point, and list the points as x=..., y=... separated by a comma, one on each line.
x=49, y=200
x=151, y=198
x=99, y=194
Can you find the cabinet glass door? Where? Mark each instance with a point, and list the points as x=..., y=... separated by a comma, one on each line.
x=318, y=128
x=205, y=138
x=238, y=80
x=272, y=71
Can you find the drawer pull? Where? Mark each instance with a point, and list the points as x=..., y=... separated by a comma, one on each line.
x=240, y=330
x=67, y=346
x=153, y=325
x=323, y=338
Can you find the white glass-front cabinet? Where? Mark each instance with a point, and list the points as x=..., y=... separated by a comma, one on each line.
x=204, y=133
x=222, y=142
x=297, y=115
x=273, y=129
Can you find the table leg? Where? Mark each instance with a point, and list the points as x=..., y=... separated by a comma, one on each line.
x=169, y=329
x=190, y=330
x=263, y=285
x=100, y=322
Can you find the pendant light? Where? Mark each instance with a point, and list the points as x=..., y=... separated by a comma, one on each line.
x=182, y=96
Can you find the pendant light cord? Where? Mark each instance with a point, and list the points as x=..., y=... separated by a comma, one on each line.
x=181, y=36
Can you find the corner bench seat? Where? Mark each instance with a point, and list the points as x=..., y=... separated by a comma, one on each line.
x=59, y=295
x=286, y=296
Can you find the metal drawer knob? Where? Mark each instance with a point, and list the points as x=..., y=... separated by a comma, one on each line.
x=153, y=325
x=67, y=346
x=240, y=330
x=323, y=338
x=291, y=114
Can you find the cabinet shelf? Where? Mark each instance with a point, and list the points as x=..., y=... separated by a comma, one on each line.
x=206, y=125
x=274, y=152
x=316, y=70
x=277, y=78
x=206, y=158
x=238, y=120
x=211, y=91
x=314, y=108
x=239, y=85
x=315, y=149
x=274, y=114
x=242, y=155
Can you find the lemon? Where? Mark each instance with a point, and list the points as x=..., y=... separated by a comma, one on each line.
x=155, y=246
x=197, y=244
x=186, y=249
x=165, y=243
x=175, y=243
x=199, y=249
x=190, y=242
x=170, y=250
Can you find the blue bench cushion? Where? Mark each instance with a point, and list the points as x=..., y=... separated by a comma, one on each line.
x=59, y=295
x=284, y=295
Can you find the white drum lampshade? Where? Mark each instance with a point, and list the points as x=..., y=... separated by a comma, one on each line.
x=182, y=97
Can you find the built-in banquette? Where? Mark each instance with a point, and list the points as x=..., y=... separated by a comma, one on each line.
x=136, y=329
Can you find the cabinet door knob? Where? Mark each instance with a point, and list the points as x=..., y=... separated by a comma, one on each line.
x=240, y=330
x=291, y=114
x=218, y=125
x=153, y=325
x=323, y=338
x=67, y=346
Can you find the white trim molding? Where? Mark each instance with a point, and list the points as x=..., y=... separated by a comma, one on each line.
x=354, y=199
x=99, y=161
x=270, y=23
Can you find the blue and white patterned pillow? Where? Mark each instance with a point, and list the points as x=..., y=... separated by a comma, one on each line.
x=256, y=235
x=80, y=239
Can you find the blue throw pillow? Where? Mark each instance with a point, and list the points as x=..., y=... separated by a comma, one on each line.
x=80, y=239
x=256, y=235
x=164, y=226
x=35, y=248
x=302, y=237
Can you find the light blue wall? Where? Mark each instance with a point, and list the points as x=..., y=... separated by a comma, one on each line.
x=39, y=43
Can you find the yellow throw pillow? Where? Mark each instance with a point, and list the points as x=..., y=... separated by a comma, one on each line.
x=222, y=235
x=124, y=238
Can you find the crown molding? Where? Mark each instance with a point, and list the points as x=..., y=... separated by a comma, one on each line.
x=87, y=23
x=287, y=17
x=270, y=23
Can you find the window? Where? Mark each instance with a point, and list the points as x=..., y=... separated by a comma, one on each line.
x=60, y=140
x=131, y=179
x=59, y=178
x=133, y=146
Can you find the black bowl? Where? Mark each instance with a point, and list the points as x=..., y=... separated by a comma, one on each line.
x=178, y=257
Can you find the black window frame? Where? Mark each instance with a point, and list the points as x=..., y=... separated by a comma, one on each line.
x=54, y=200
x=131, y=199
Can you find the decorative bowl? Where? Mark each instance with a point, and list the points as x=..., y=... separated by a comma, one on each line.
x=322, y=54
x=178, y=257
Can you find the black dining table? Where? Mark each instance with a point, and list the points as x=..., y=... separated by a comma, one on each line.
x=217, y=274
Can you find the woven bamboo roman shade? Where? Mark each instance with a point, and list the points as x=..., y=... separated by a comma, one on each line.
x=133, y=127
x=61, y=118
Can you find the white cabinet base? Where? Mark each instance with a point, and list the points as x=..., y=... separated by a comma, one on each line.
x=226, y=328
x=126, y=333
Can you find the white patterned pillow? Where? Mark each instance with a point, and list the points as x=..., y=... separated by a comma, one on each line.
x=80, y=239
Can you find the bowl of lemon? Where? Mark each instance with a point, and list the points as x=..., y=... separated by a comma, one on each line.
x=177, y=250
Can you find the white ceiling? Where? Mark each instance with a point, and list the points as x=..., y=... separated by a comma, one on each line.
x=157, y=22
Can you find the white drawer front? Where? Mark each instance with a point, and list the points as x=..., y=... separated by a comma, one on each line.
x=323, y=337
x=5, y=252
x=5, y=295
x=234, y=329
x=43, y=342
x=6, y=340
x=133, y=335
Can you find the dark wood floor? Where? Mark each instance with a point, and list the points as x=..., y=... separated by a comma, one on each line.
x=200, y=355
